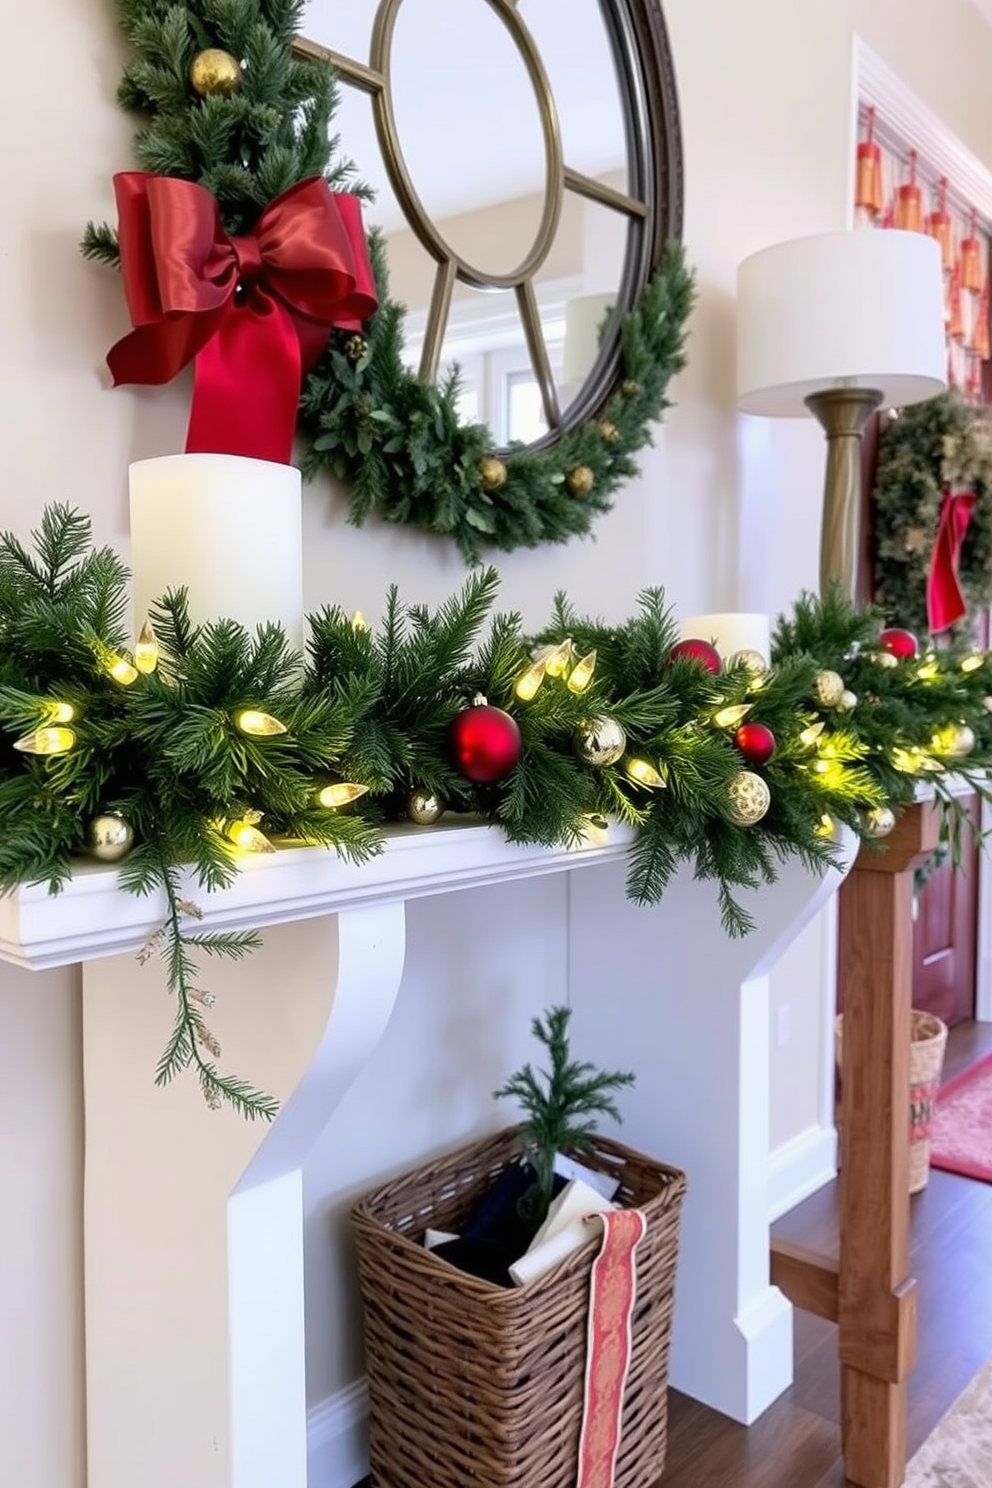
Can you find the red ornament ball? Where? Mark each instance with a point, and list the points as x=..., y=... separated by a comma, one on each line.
x=707, y=656
x=756, y=742
x=898, y=642
x=485, y=743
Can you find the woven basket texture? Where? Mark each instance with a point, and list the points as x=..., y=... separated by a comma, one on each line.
x=926, y=1061
x=473, y=1385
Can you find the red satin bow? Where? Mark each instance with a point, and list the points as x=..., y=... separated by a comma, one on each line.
x=254, y=311
x=945, y=601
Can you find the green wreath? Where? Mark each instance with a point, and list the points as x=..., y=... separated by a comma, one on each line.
x=247, y=134
x=925, y=449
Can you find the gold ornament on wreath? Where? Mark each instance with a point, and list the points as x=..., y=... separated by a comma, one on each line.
x=215, y=71
x=829, y=688
x=109, y=837
x=580, y=481
x=879, y=821
x=607, y=431
x=492, y=473
x=355, y=348
x=749, y=798
x=424, y=807
x=600, y=742
x=752, y=660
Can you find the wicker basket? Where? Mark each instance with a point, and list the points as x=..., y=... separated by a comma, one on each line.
x=476, y=1384
x=926, y=1060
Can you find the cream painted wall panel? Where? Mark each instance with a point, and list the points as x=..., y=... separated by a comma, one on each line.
x=41, y=1145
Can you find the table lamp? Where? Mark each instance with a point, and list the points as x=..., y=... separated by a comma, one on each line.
x=841, y=324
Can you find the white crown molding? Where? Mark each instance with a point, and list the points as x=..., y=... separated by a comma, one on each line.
x=902, y=112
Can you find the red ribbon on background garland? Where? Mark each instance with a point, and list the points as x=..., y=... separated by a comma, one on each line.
x=255, y=312
x=945, y=600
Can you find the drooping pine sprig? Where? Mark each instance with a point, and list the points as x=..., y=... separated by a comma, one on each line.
x=562, y=1104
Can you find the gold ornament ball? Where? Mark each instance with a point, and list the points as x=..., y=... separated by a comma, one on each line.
x=600, y=742
x=630, y=388
x=879, y=821
x=580, y=480
x=607, y=431
x=829, y=688
x=355, y=348
x=886, y=659
x=750, y=798
x=423, y=807
x=753, y=660
x=215, y=71
x=848, y=701
x=109, y=837
x=492, y=473
x=960, y=741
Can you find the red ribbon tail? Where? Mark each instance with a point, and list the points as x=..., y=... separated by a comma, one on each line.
x=946, y=603
x=246, y=385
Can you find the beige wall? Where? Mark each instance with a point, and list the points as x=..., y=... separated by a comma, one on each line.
x=725, y=512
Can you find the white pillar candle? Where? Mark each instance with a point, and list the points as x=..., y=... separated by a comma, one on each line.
x=730, y=633
x=228, y=529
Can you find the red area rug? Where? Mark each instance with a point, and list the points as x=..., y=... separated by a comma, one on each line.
x=961, y=1137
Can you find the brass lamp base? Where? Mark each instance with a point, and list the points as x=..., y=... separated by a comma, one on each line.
x=843, y=414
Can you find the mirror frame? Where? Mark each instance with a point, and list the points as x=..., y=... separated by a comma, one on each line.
x=656, y=176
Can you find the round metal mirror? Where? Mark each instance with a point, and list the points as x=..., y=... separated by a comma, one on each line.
x=526, y=162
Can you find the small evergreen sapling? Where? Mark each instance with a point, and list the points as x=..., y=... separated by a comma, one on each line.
x=563, y=1112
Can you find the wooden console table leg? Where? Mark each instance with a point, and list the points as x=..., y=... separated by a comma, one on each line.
x=877, y=1296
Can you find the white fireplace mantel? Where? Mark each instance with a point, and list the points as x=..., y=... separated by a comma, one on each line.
x=662, y=991
x=91, y=917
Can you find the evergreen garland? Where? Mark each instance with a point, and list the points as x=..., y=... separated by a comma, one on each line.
x=167, y=750
x=396, y=438
x=921, y=451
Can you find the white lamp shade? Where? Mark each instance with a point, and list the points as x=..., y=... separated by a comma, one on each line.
x=858, y=309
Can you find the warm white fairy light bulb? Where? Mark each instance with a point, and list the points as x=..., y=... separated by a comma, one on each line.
x=341, y=793
x=49, y=740
x=529, y=681
x=57, y=712
x=581, y=674
x=254, y=722
x=359, y=622
x=642, y=772
x=810, y=735
x=146, y=649
x=731, y=716
x=556, y=658
x=245, y=835
x=120, y=669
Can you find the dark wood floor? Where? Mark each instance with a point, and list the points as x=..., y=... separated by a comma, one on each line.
x=796, y=1443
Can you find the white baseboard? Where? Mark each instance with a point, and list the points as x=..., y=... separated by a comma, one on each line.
x=338, y=1439
x=798, y=1168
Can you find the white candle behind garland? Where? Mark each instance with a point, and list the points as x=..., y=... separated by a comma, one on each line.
x=730, y=633
x=226, y=528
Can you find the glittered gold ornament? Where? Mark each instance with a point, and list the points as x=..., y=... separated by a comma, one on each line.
x=749, y=798
x=423, y=807
x=630, y=388
x=607, y=431
x=886, y=659
x=829, y=688
x=753, y=660
x=109, y=837
x=848, y=701
x=956, y=740
x=355, y=348
x=600, y=742
x=580, y=481
x=879, y=821
x=492, y=473
x=215, y=72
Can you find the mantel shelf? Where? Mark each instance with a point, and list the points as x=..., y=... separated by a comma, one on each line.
x=92, y=917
